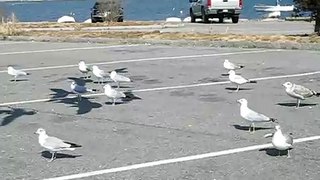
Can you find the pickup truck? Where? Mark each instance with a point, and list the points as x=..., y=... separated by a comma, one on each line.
x=221, y=9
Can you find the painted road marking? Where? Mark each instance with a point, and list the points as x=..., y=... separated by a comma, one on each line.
x=64, y=49
x=177, y=160
x=184, y=57
x=164, y=88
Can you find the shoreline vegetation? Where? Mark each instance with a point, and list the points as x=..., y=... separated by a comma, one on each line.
x=92, y=31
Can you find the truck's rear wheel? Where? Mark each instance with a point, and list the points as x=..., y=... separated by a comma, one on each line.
x=205, y=17
x=235, y=19
x=193, y=18
x=220, y=19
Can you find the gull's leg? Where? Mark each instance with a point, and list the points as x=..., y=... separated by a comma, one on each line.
x=279, y=152
x=288, y=153
x=114, y=102
x=118, y=85
x=250, y=128
x=79, y=97
x=254, y=128
x=238, y=87
x=15, y=78
x=52, y=157
x=298, y=103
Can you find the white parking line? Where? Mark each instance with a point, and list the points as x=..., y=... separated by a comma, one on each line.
x=165, y=88
x=64, y=49
x=176, y=160
x=184, y=57
x=16, y=42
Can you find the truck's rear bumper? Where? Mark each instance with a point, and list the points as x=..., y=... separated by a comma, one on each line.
x=223, y=11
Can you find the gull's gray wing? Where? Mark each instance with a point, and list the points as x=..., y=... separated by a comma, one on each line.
x=55, y=143
x=302, y=91
x=119, y=77
x=80, y=89
x=289, y=138
x=240, y=79
x=254, y=116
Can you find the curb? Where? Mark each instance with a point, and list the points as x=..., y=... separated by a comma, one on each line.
x=233, y=44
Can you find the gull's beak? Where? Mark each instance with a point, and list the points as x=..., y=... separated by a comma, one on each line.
x=284, y=85
x=35, y=133
x=238, y=101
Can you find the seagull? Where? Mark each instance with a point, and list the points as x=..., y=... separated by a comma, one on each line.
x=118, y=78
x=80, y=89
x=238, y=80
x=84, y=69
x=16, y=73
x=251, y=115
x=54, y=144
x=281, y=141
x=299, y=92
x=231, y=66
x=112, y=93
x=100, y=74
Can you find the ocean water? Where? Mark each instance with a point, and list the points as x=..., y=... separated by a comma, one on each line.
x=133, y=9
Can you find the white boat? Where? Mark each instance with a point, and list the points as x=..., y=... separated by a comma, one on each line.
x=273, y=11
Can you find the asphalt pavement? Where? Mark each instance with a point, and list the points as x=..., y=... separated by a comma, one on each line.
x=183, y=106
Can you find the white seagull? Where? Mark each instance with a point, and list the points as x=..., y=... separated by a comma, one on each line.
x=54, y=144
x=281, y=141
x=100, y=74
x=238, y=80
x=112, y=93
x=80, y=89
x=84, y=69
x=231, y=66
x=16, y=73
x=251, y=115
x=118, y=78
x=299, y=92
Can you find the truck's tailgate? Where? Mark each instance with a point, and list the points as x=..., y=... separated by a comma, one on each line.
x=225, y=4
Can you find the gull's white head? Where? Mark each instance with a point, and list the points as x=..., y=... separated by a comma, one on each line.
x=107, y=87
x=10, y=68
x=40, y=131
x=232, y=72
x=226, y=60
x=242, y=101
x=113, y=73
x=277, y=127
x=73, y=83
x=287, y=84
x=95, y=68
x=81, y=63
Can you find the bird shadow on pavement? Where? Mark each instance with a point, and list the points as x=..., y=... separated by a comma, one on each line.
x=19, y=80
x=129, y=97
x=274, y=151
x=120, y=70
x=59, y=93
x=47, y=155
x=240, y=89
x=246, y=128
x=13, y=113
x=293, y=104
x=123, y=87
x=80, y=81
x=83, y=106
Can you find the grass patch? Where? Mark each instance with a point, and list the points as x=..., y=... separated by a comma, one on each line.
x=9, y=29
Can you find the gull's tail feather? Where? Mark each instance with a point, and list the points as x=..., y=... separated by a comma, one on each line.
x=92, y=90
x=316, y=93
x=72, y=145
x=252, y=81
x=27, y=74
x=273, y=119
x=241, y=66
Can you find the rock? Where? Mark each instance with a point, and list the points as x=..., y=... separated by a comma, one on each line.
x=173, y=19
x=187, y=19
x=66, y=19
x=87, y=21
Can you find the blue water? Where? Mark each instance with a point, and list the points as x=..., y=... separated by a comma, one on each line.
x=134, y=9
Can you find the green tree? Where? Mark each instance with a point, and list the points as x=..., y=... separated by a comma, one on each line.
x=314, y=7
